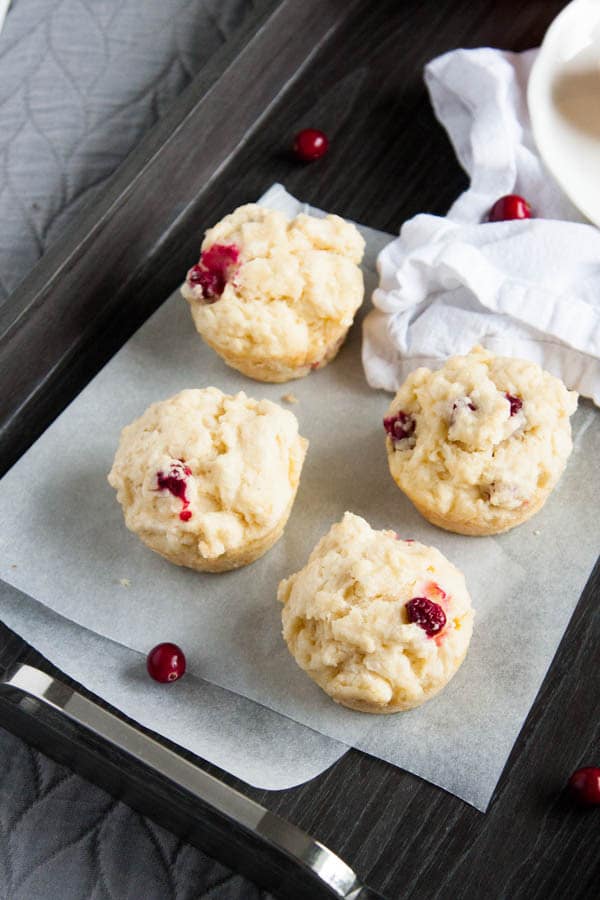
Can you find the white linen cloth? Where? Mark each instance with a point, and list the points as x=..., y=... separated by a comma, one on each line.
x=4, y=4
x=528, y=288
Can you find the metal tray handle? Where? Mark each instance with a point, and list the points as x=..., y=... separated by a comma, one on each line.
x=339, y=878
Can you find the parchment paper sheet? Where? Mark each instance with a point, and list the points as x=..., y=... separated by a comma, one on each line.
x=254, y=743
x=61, y=527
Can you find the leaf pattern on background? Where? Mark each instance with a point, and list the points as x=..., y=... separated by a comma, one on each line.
x=80, y=83
x=61, y=836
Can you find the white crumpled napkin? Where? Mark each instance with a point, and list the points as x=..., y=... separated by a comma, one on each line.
x=521, y=288
x=4, y=4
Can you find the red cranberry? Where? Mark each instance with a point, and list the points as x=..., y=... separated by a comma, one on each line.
x=175, y=481
x=166, y=662
x=400, y=426
x=515, y=404
x=584, y=785
x=428, y=615
x=436, y=591
x=310, y=144
x=214, y=269
x=510, y=207
x=464, y=403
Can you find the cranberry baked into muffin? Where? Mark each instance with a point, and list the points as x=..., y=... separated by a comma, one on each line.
x=379, y=623
x=208, y=480
x=275, y=298
x=479, y=444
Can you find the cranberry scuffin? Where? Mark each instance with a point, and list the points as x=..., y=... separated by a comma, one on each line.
x=428, y=615
x=166, y=662
x=310, y=144
x=584, y=786
x=510, y=207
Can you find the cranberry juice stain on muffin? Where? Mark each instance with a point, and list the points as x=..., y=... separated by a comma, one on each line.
x=275, y=298
x=208, y=480
x=479, y=444
x=379, y=623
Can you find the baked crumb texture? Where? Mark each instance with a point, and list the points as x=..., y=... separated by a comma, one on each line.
x=284, y=302
x=208, y=480
x=479, y=444
x=347, y=624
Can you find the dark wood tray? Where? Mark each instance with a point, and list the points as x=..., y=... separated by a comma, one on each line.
x=355, y=70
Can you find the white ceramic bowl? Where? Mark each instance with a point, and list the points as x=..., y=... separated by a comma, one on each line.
x=564, y=103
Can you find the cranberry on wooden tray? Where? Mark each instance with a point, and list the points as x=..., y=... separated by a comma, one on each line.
x=584, y=786
x=166, y=662
x=510, y=207
x=309, y=144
